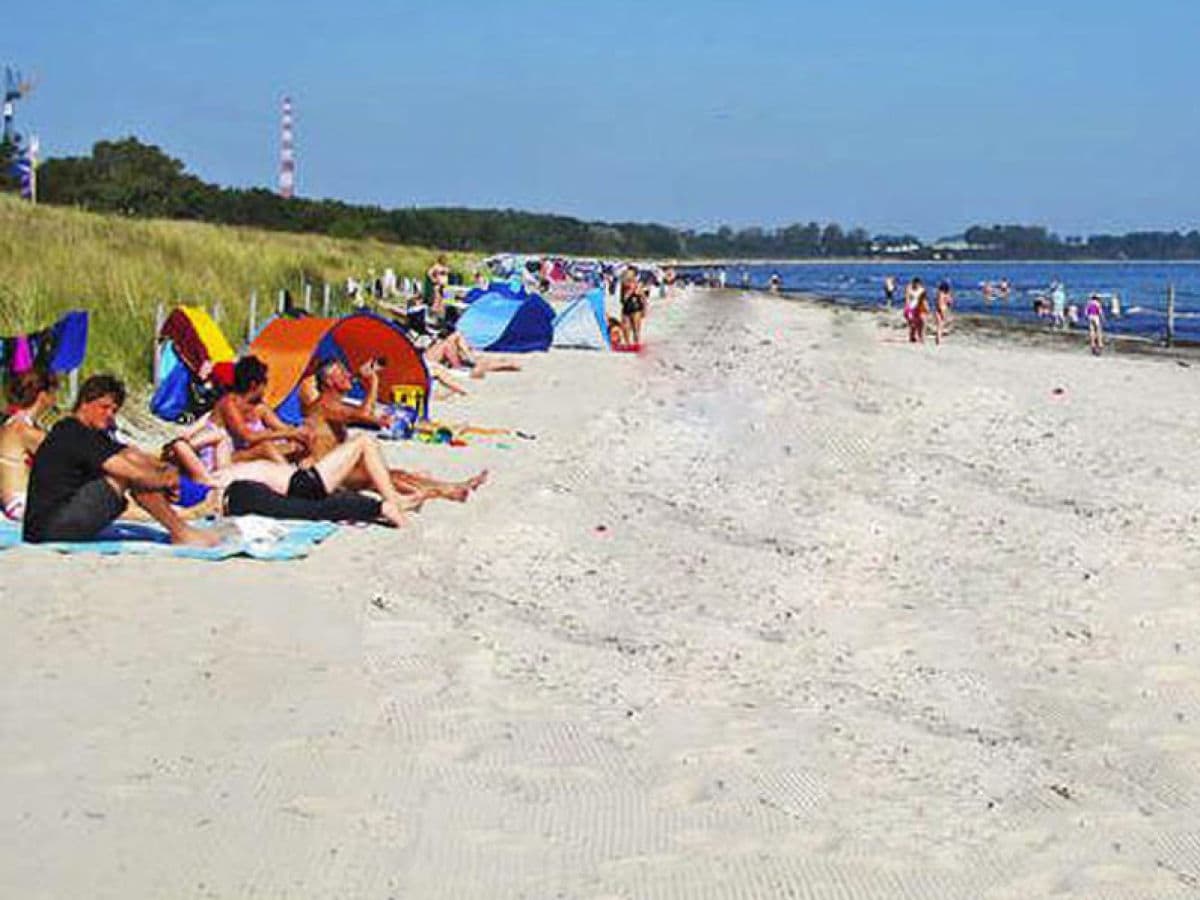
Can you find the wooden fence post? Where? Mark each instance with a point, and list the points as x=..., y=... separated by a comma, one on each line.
x=282, y=291
x=159, y=318
x=307, y=297
x=1170, y=315
x=325, y=301
x=252, y=324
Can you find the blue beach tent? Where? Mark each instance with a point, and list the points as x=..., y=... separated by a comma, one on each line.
x=583, y=323
x=514, y=290
x=508, y=324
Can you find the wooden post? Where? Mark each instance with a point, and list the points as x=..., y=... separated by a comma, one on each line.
x=281, y=293
x=1170, y=315
x=252, y=324
x=307, y=297
x=325, y=301
x=74, y=384
x=159, y=318
x=218, y=312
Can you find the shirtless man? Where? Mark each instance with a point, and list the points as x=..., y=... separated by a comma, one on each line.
x=31, y=395
x=330, y=417
x=257, y=432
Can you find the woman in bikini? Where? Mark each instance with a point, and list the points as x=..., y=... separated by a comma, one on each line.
x=257, y=432
x=31, y=395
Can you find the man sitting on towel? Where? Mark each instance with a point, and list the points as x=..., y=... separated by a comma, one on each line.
x=330, y=415
x=81, y=475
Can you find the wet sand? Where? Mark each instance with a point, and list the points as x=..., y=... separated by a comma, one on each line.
x=781, y=607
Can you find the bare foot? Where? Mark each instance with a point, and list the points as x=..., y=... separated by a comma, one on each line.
x=477, y=481
x=414, y=501
x=194, y=537
x=392, y=513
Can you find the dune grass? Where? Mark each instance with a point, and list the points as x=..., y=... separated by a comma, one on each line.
x=54, y=259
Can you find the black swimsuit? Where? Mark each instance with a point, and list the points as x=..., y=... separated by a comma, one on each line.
x=306, y=484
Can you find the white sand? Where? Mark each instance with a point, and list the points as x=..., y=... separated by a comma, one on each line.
x=865, y=620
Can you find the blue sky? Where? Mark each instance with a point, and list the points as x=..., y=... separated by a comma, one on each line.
x=921, y=116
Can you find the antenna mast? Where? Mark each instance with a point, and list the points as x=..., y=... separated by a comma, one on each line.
x=287, y=153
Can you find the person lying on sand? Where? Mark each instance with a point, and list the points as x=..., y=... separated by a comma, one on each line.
x=455, y=352
x=330, y=417
x=359, y=454
x=31, y=394
x=81, y=476
x=205, y=455
x=257, y=432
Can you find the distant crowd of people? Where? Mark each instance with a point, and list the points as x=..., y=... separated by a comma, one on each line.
x=1052, y=305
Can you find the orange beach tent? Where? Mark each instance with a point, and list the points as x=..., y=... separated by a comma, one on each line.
x=292, y=348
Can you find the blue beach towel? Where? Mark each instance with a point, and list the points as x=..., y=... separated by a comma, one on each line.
x=138, y=539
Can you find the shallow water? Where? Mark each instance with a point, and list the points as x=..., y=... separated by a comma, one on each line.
x=1141, y=286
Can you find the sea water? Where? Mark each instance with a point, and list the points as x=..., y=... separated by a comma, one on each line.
x=1141, y=286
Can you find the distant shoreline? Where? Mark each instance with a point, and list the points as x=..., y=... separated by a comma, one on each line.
x=995, y=325
x=876, y=261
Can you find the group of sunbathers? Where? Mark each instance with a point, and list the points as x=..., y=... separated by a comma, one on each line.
x=70, y=483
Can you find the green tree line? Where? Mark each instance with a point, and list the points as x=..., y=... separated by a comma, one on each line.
x=137, y=179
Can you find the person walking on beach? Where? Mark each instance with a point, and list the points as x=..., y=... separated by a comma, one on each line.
x=945, y=300
x=1058, y=303
x=889, y=290
x=916, y=307
x=633, y=307
x=1094, y=312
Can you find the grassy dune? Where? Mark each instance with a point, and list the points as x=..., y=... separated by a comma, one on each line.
x=55, y=259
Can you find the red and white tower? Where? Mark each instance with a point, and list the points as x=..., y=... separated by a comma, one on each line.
x=287, y=153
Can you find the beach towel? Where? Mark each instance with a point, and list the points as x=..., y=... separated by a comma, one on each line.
x=257, y=538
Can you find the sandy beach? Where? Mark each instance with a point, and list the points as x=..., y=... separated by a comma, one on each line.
x=781, y=607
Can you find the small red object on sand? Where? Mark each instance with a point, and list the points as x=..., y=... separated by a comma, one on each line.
x=601, y=528
x=1059, y=390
